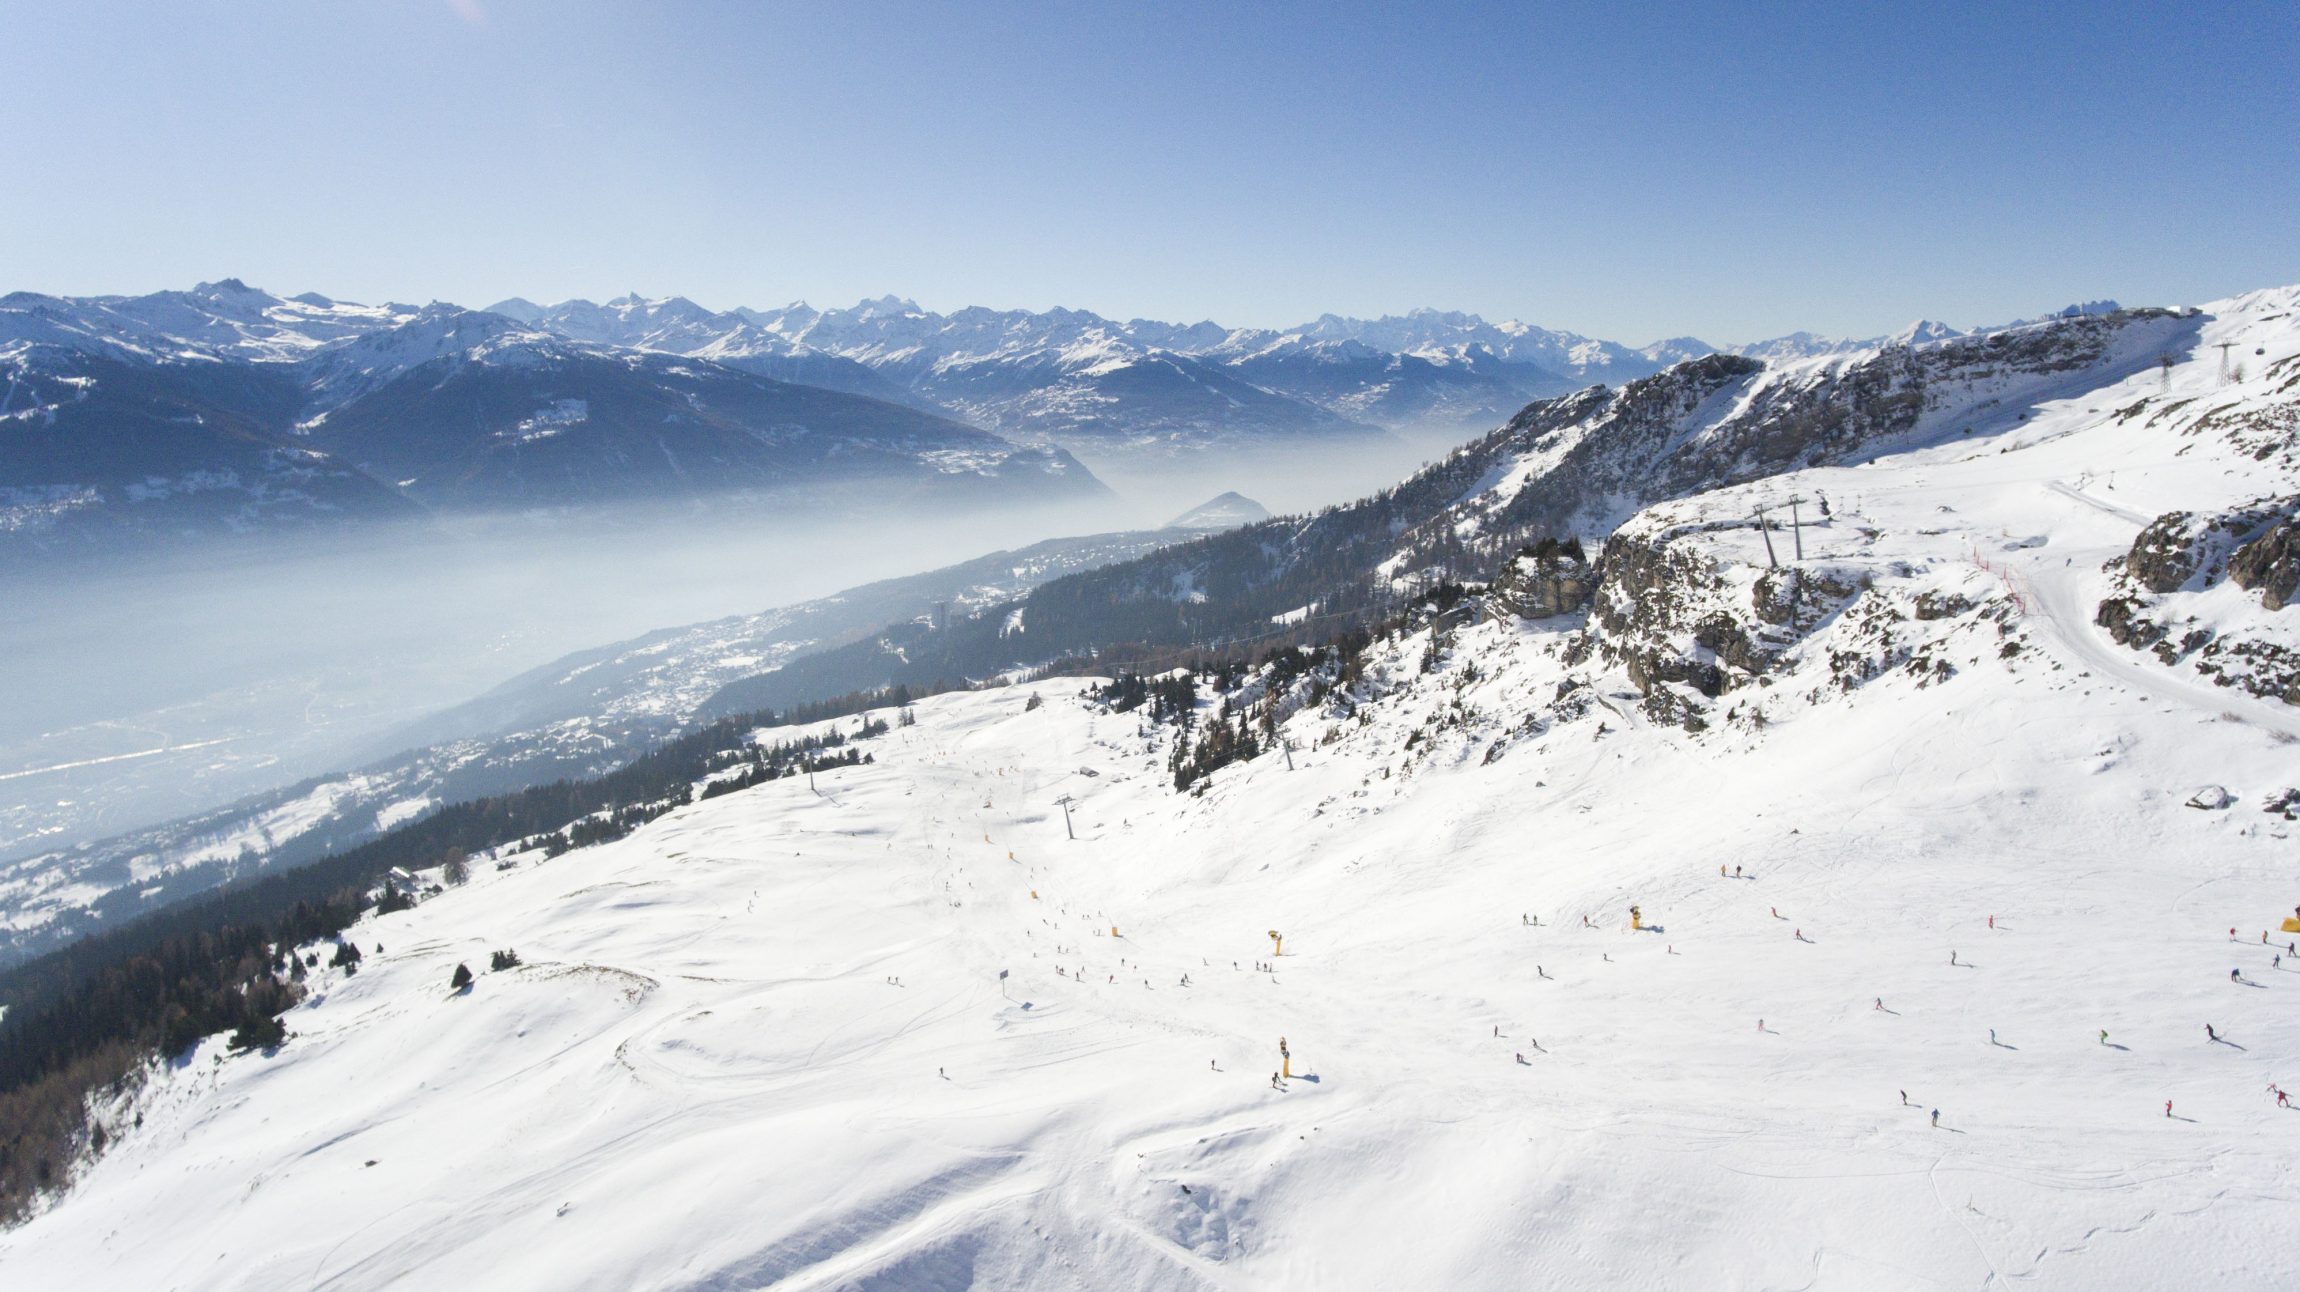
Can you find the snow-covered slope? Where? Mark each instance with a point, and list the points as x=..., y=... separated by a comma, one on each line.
x=1906, y=834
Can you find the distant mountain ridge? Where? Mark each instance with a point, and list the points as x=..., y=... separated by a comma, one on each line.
x=228, y=410
x=1087, y=382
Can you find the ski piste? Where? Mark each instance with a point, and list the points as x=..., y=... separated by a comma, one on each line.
x=899, y=1030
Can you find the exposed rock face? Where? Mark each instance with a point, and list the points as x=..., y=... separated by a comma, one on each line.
x=2270, y=564
x=2179, y=559
x=1546, y=580
x=2182, y=546
x=1941, y=605
x=1694, y=621
x=1591, y=459
x=1687, y=629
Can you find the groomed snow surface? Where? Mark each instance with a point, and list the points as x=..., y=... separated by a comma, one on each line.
x=764, y=1042
x=707, y=1075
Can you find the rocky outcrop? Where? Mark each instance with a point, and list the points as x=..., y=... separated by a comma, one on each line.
x=2270, y=564
x=2157, y=602
x=2183, y=549
x=1546, y=580
x=1687, y=628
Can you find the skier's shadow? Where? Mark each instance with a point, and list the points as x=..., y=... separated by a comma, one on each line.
x=2178, y=1118
x=2114, y=1046
x=2002, y=1046
x=2247, y=982
x=2222, y=1040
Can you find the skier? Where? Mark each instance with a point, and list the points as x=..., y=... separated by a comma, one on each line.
x=2236, y=975
x=2209, y=1034
x=1952, y=957
x=1992, y=1036
x=2104, y=1036
x=1760, y=1025
x=1521, y=1056
x=1274, y=1082
x=1720, y=870
x=1904, y=1099
x=1497, y=1029
x=1992, y=921
x=2168, y=1108
x=1775, y=910
x=1880, y=1004
x=1736, y=872
x=1936, y=1117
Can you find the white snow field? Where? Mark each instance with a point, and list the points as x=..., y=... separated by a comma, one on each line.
x=764, y=1042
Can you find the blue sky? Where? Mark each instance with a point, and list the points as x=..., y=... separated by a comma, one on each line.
x=1628, y=171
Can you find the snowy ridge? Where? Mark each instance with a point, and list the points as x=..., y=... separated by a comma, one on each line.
x=312, y=412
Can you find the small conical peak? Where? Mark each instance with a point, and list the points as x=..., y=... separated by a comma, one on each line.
x=517, y=307
x=1224, y=511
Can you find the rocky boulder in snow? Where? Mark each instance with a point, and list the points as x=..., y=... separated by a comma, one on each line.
x=2167, y=597
x=1546, y=580
x=2270, y=563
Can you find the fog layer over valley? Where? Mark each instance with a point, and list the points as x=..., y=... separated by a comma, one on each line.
x=141, y=690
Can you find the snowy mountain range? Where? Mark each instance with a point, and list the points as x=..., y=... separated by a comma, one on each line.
x=227, y=409
x=1954, y=674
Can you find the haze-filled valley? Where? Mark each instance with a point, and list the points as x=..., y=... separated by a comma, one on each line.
x=257, y=663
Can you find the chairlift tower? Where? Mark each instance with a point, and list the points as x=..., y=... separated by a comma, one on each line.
x=1765, y=530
